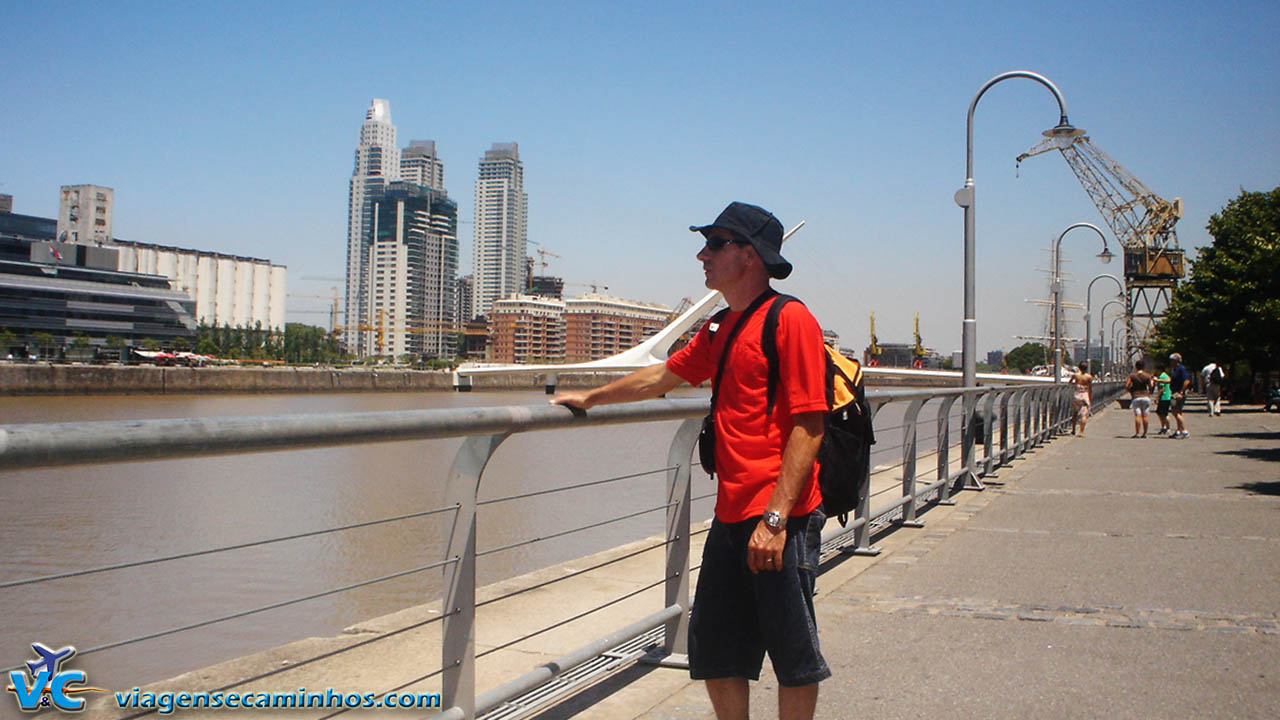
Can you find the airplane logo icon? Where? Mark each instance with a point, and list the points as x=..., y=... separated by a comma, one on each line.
x=50, y=660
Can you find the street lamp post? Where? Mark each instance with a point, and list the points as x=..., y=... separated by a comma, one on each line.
x=1115, y=339
x=1088, y=304
x=1105, y=256
x=966, y=198
x=1102, y=319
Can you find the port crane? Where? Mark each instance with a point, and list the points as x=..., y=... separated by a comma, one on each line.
x=872, y=358
x=918, y=352
x=1142, y=221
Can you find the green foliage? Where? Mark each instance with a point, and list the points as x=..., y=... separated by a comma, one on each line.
x=1229, y=310
x=180, y=343
x=115, y=342
x=150, y=344
x=1026, y=356
x=7, y=339
x=44, y=341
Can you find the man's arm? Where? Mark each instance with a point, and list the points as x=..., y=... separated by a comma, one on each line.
x=797, y=467
x=642, y=384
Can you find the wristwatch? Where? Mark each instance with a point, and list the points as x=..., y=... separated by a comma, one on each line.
x=773, y=519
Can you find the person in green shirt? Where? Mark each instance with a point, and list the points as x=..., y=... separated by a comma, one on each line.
x=1166, y=396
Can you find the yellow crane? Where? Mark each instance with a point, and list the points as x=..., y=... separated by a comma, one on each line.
x=873, y=352
x=918, y=351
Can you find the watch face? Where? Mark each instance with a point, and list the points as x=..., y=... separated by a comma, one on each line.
x=773, y=519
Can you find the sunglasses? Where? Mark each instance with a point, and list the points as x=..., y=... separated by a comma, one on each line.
x=717, y=242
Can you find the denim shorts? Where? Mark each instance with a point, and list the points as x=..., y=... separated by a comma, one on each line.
x=738, y=616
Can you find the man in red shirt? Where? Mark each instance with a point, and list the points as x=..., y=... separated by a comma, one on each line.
x=755, y=587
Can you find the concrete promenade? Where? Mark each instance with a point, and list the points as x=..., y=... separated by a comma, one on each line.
x=1106, y=577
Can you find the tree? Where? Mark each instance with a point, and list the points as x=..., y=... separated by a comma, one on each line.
x=1026, y=356
x=44, y=343
x=1229, y=310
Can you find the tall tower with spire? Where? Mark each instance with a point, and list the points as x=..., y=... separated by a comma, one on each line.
x=377, y=163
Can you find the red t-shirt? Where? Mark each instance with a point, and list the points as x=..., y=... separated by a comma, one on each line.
x=749, y=443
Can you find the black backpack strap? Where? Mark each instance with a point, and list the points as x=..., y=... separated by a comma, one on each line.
x=769, y=342
x=728, y=343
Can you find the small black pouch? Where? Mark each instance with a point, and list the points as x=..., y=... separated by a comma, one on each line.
x=707, y=444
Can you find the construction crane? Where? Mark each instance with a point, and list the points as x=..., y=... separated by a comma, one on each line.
x=1142, y=221
x=332, y=311
x=543, y=254
x=872, y=358
x=684, y=304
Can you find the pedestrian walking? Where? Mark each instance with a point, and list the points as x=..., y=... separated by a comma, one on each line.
x=1179, y=384
x=1211, y=377
x=1081, y=399
x=1162, y=400
x=1139, y=386
x=759, y=563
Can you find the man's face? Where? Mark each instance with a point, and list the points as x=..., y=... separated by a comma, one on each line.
x=726, y=265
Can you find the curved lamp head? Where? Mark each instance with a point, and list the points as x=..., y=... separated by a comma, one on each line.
x=1063, y=134
x=1105, y=255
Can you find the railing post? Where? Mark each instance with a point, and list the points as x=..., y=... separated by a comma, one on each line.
x=910, y=424
x=1005, y=396
x=458, y=652
x=1028, y=421
x=1019, y=420
x=675, y=644
x=1037, y=415
x=862, y=533
x=944, y=449
x=988, y=430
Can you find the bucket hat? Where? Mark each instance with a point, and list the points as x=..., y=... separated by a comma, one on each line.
x=758, y=227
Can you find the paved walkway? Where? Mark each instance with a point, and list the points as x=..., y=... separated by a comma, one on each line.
x=1108, y=577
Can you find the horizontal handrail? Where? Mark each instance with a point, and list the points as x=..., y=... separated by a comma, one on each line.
x=24, y=447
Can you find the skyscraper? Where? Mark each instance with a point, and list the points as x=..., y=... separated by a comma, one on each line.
x=412, y=273
x=402, y=247
x=420, y=165
x=377, y=163
x=501, y=220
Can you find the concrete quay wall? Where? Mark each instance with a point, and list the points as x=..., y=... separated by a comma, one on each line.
x=72, y=379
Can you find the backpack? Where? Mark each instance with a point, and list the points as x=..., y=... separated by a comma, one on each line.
x=1216, y=375
x=844, y=457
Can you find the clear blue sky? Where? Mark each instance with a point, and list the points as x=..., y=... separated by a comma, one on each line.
x=231, y=127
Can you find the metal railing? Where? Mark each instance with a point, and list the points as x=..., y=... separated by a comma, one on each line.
x=1008, y=421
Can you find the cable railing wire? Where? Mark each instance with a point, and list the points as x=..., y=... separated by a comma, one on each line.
x=254, y=611
x=575, y=487
x=568, y=620
x=225, y=548
x=573, y=574
x=553, y=536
